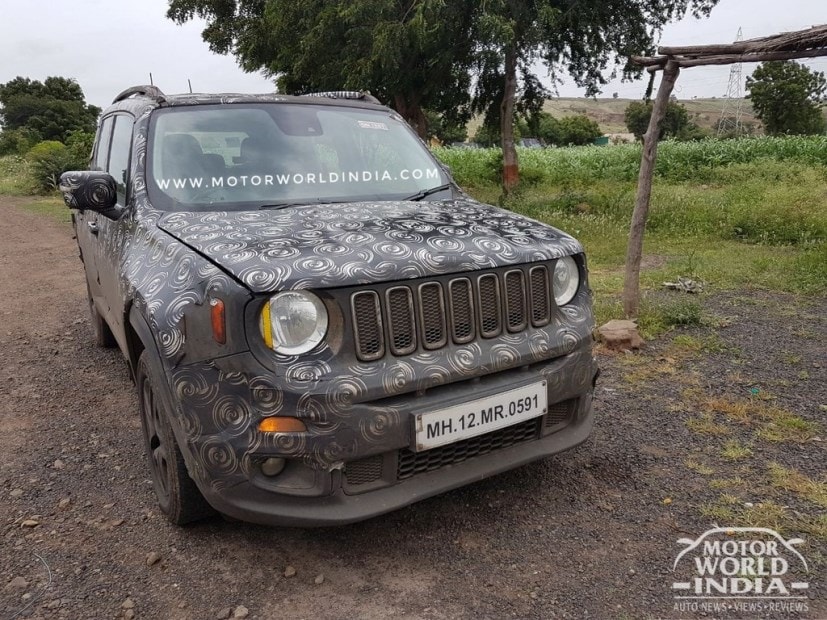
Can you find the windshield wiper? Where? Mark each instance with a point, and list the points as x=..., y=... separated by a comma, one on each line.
x=428, y=192
x=284, y=205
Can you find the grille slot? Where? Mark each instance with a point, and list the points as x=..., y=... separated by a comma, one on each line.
x=515, y=300
x=367, y=325
x=411, y=463
x=559, y=413
x=488, y=302
x=540, y=305
x=401, y=320
x=364, y=471
x=462, y=310
x=432, y=315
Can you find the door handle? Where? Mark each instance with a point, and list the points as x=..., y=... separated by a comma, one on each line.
x=93, y=227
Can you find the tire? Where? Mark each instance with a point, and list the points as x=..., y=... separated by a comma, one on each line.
x=178, y=496
x=103, y=335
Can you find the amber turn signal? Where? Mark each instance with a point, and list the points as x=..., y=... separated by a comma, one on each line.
x=281, y=425
x=219, y=330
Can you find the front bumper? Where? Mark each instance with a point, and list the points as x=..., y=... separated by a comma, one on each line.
x=224, y=450
x=248, y=502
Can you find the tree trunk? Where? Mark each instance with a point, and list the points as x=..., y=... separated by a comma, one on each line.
x=511, y=174
x=631, y=284
x=413, y=114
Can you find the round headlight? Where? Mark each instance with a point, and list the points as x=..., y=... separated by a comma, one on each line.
x=293, y=322
x=566, y=280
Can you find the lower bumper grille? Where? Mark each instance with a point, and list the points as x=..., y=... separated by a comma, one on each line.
x=411, y=463
x=369, y=471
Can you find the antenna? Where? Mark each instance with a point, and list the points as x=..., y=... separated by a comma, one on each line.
x=151, y=83
x=190, y=85
x=730, y=120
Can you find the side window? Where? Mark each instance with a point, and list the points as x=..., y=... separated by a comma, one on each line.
x=102, y=148
x=118, y=165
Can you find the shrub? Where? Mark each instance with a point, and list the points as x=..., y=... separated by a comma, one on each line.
x=18, y=141
x=48, y=160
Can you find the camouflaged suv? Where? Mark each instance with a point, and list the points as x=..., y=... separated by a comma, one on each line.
x=321, y=325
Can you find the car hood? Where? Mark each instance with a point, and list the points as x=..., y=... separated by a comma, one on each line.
x=346, y=244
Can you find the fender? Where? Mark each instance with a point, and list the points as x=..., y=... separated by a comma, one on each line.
x=158, y=371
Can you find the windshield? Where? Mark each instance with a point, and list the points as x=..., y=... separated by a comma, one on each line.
x=270, y=155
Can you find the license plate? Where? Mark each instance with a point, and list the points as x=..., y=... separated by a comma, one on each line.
x=477, y=417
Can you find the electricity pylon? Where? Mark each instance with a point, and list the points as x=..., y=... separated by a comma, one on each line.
x=730, y=120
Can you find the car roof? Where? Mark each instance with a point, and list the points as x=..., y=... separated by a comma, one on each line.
x=140, y=99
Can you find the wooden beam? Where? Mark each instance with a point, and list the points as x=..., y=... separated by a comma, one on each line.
x=798, y=40
x=648, y=61
x=757, y=57
x=697, y=50
x=631, y=283
x=657, y=63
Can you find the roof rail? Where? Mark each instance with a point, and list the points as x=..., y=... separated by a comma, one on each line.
x=345, y=94
x=153, y=92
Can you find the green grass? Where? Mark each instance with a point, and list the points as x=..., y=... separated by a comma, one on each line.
x=14, y=176
x=50, y=207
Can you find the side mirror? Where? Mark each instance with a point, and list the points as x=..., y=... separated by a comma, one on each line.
x=89, y=189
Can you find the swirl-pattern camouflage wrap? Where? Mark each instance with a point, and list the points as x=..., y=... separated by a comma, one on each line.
x=168, y=265
x=92, y=188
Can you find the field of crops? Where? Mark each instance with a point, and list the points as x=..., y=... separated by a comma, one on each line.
x=680, y=161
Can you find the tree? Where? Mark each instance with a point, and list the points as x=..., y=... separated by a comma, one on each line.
x=787, y=97
x=52, y=109
x=676, y=123
x=444, y=129
x=414, y=55
x=581, y=37
x=578, y=130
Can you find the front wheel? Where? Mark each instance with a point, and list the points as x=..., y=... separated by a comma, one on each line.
x=178, y=496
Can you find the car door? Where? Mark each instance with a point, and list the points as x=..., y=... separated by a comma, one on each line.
x=86, y=222
x=111, y=233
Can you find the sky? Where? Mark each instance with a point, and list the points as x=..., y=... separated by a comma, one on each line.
x=109, y=45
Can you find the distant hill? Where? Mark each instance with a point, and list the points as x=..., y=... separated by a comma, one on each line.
x=609, y=112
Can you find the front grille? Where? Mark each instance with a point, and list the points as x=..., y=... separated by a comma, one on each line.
x=412, y=463
x=429, y=314
x=364, y=471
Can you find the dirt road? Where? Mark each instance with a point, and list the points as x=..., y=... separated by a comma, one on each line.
x=588, y=534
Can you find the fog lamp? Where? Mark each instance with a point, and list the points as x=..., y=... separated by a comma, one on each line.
x=273, y=466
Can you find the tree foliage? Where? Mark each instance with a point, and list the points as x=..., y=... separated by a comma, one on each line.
x=51, y=109
x=445, y=129
x=412, y=55
x=787, y=97
x=572, y=130
x=676, y=123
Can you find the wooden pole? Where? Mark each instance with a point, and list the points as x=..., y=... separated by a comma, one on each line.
x=631, y=284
